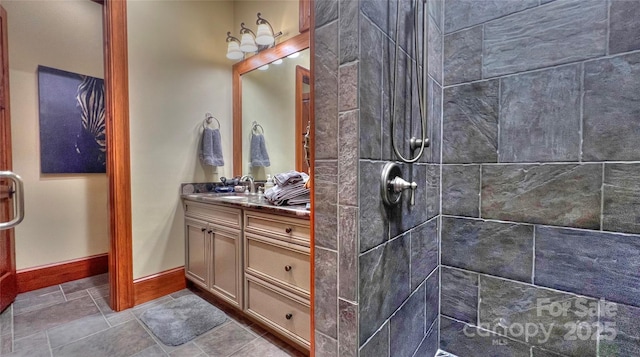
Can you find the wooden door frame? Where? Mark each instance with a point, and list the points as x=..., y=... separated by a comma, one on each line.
x=298, y=137
x=118, y=154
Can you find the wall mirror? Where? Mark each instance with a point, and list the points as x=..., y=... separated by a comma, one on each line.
x=271, y=98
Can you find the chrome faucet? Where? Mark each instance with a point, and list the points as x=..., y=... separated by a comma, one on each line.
x=252, y=185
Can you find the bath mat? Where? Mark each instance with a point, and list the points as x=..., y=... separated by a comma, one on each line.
x=181, y=320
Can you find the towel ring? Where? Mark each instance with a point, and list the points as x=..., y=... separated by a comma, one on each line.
x=208, y=120
x=255, y=128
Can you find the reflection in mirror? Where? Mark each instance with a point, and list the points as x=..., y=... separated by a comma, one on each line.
x=269, y=99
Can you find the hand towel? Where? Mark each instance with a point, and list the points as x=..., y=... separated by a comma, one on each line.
x=291, y=177
x=258, y=152
x=211, y=151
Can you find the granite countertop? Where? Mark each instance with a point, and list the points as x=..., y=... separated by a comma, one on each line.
x=252, y=201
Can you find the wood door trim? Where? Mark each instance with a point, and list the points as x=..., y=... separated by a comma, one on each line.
x=312, y=159
x=53, y=274
x=292, y=45
x=304, y=16
x=158, y=285
x=118, y=155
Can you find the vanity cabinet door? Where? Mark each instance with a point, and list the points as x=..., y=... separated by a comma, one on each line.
x=226, y=265
x=197, y=249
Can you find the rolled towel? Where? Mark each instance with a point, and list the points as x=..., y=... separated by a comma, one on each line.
x=291, y=177
x=258, y=151
x=211, y=150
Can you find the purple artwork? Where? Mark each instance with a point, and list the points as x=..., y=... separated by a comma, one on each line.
x=72, y=122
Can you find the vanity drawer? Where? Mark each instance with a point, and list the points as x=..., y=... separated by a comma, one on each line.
x=226, y=216
x=284, y=311
x=277, y=226
x=284, y=264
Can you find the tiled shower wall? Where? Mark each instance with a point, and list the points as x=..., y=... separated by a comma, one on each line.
x=377, y=276
x=541, y=177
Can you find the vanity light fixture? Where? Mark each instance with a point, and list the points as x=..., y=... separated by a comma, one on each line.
x=233, y=48
x=278, y=61
x=263, y=68
x=294, y=55
x=249, y=41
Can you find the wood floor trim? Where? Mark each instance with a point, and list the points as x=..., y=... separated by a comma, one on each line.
x=53, y=274
x=158, y=285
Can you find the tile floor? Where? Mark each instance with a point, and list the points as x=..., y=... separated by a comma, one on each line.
x=74, y=319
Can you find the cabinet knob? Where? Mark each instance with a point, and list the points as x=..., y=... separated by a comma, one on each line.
x=210, y=231
x=289, y=230
x=287, y=268
x=203, y=229
x=288, y=316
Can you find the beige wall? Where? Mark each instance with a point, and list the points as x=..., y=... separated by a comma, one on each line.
x=268, y=97
x=66, y=215
x=282, y=15
x=177, y=73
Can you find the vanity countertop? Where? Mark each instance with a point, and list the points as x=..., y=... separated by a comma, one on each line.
x=247, y=201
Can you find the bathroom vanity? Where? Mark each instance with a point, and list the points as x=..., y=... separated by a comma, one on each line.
x=254, y=256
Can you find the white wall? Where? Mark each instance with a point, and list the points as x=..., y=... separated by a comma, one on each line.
x=177, y=73
x=66, y=215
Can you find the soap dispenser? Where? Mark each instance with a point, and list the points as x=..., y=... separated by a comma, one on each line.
x=269, y=183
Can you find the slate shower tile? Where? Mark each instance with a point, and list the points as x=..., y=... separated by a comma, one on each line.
x=378, y=345
x=430, y=344
x=407, y=325
x=325, y=12
x=348, y=326
x=621, y=198
x=470, y=123
x=537, y=352
x=326, y=292
x=348, y=87
x=382, y=13
x=433, y=297
x=348, y=252
x=370, y=89
x=434, y=51
x=558, y=194
x=611, y=111
x=501, y=249
x=459, y=14
x=540, y=116
x=463, y=56
x=461, y=190
x=326, y=91
x=459, y=294
x=348, y=158
x=624, y=33
x=349, y=30
x=466, y=340
x=326, y=346
x=374, y=224
x=122, y=340
x=326, y=209
x=598, y=264
x=384, y=283
x=434, y=123
x=621, y=335
x=433, y=191
x=561, y=32
x=435, y=11
x=424, y=251
x=504, y=304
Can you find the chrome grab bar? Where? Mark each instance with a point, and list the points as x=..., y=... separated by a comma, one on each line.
x=18, y=201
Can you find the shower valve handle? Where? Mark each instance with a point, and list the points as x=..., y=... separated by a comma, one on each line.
x=398, y=184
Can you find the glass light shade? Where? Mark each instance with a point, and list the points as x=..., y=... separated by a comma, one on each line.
x=264, y=36
x=294, y=55
x=233, y=51
x=248, y=44
x=263, y=68
x=278, y=61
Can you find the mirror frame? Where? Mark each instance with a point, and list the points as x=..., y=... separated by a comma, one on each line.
x=292, y=45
